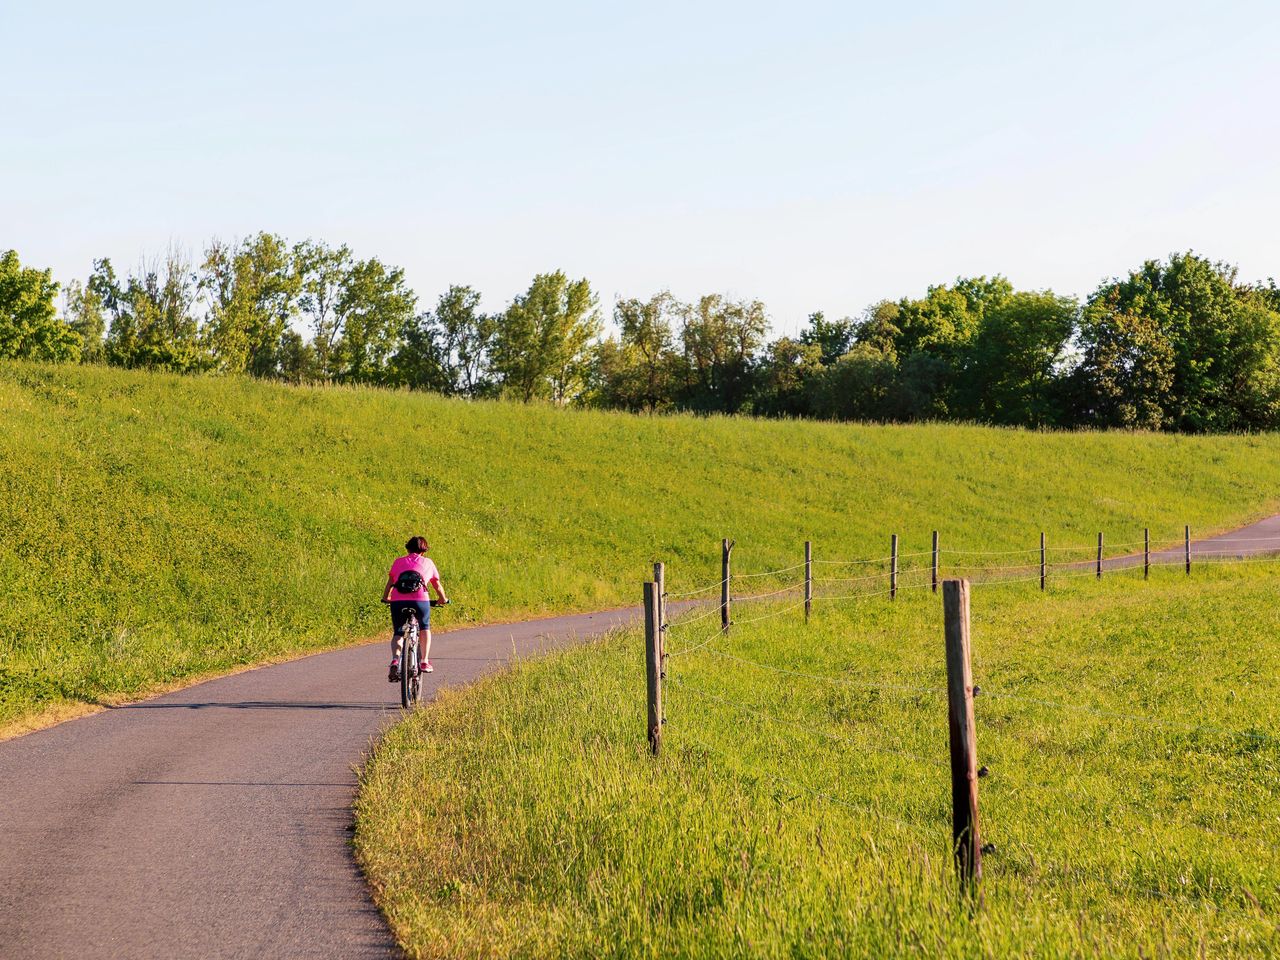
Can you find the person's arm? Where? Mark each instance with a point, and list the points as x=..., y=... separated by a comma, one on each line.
x=435, y=583
x=386, y=593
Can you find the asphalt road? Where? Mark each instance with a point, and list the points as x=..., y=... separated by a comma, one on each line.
x=214, y=822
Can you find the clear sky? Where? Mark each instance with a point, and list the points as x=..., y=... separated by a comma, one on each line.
x=818, y=156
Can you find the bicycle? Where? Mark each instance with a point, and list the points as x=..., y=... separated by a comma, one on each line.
x=410, y=675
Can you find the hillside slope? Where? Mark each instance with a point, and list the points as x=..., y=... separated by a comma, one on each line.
x=161, y=527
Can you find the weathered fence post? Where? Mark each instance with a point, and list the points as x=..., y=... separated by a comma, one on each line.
x=652, y=663
x=726, y=548
x=808, y=579
x=1099, y=554
x=893, y=567
x=965, y=836
x=935, y=561
x=660, y=578
x=1146, y=552
x=1042, y=560
x=1186, y=545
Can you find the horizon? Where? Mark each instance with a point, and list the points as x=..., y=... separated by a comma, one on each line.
x=821, y=159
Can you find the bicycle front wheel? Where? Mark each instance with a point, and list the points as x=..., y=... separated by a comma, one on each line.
x=409, y=670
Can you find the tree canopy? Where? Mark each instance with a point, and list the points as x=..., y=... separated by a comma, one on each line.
x=1176, y=344
x=29, y=324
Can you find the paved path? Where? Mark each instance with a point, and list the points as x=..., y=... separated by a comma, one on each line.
x=1258, y=538
x=1255, y=540
x=213, y=822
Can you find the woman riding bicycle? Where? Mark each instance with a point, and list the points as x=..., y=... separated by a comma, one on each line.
x=406, y=591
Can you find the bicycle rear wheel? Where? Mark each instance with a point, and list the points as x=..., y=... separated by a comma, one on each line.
x=410, y=683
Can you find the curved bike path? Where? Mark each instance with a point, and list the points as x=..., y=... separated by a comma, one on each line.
x=215, y=821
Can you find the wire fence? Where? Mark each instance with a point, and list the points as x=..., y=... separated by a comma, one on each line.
x=695, y=633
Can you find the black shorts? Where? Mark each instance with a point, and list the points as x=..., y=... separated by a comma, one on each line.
x=400, y=614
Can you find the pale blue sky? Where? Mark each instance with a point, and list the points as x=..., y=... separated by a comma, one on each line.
x=814, y=155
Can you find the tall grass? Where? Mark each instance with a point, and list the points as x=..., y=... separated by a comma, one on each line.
x=1134, y=796
x=160, y=527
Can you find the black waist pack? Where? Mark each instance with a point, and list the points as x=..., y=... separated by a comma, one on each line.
x=410, y=582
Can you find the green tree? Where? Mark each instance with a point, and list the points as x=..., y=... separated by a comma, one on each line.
x=1011, y=373
x=833, y=338
x=84, y=312
x=541, y=345
x=153, y=323
x=322, y=272
x=1126, y=373
x=420, y=361
x=373, y=309
x=297, y=358
x=466, y=340
x=1222, y=338
x=858, y=386
x=252, y=290
x=946, y=318
x=721, y=338
x=1269, y=294
x=879, y=327
x=927, y=341
x=639, y=369
x=783, y=376
x=29, y=325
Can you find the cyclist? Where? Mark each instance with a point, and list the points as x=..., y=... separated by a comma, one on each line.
x=406, y=591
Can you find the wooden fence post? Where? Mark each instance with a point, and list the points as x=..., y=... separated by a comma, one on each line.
x=660, y=578
x=726, y=548
x=965, y=836
x=935, y=561
x=1146, y=552
x=652, y=658
x=1186, y=544
x=893, y=567
x=1042, y=560
x=1099, y=554
x=808, y=579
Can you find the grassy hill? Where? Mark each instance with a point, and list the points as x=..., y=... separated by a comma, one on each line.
x=158, y=528
x=801, y=803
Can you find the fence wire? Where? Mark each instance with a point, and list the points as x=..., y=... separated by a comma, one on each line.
x=1163, y=548
x=695, y=591
x=772, y=593
x=1000, y=574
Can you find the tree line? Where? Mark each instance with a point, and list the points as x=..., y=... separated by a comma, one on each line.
x=1180, y=344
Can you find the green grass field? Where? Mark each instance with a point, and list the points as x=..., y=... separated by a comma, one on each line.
x=159, y=528
x=1134, y=795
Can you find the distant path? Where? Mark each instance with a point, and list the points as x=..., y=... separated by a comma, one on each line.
x=214, y=822
x=1257, y=538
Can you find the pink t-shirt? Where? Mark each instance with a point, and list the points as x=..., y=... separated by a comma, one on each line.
x=413, y=561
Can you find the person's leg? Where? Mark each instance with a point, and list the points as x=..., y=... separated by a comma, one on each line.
x=397, y=629
x=397, y=639
x=424, y=635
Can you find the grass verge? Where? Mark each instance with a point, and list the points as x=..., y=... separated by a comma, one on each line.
x=1134, y=798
